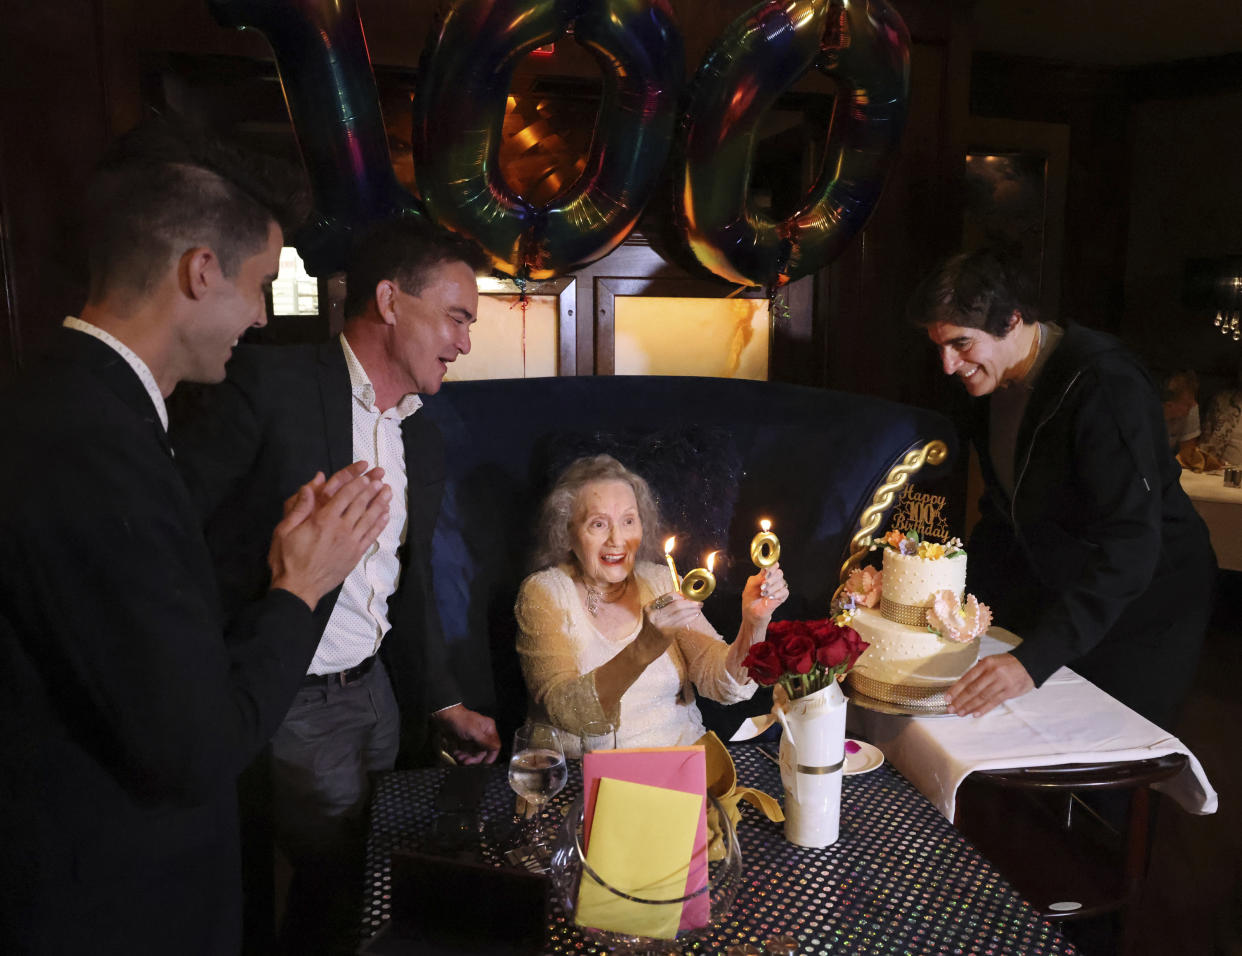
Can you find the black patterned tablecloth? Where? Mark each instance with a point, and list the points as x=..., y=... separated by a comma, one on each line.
x=900, y=880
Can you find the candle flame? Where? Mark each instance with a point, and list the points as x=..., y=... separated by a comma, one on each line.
x=668, y=545
x=711, y=560
x=765, y=524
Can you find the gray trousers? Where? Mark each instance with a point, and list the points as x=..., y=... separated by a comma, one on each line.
x=330, y=744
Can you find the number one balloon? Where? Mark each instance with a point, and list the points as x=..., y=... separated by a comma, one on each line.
x=329, y=86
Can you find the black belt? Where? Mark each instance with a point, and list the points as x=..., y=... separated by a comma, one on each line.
x=343, y=678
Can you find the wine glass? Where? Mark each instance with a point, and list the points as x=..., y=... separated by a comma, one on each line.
x=597, y=735
x=537, y=772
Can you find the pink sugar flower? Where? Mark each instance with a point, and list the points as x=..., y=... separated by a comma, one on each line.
x=958, y=622
x=864, y=585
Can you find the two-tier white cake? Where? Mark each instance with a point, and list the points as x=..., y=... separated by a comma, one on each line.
x=908, y=662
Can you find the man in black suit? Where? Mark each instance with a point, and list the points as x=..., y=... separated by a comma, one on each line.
x=411, y=299
x=126, y=715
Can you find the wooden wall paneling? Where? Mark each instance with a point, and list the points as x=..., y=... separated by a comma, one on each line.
x=132, y=31
x=634, y=258
x=1092, y=102
x=1052, y=141
x=1186, y=203
x=797, y=343
x=51, y=131
x=1207, y=76
x=868, y=346
x=9, y=336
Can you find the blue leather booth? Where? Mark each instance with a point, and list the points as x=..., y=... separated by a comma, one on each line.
x=719, y=453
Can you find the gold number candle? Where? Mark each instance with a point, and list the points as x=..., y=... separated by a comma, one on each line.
x=672, y=568
x=765, y=547
x=699, y=584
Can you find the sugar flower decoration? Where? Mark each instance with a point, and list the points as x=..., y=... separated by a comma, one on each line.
x=958, y=622
x=862, y=588
x=909, y=543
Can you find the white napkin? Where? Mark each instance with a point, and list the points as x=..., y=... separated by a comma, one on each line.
x=1067, y=720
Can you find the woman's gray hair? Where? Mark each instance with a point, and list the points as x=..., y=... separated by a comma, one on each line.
x=560, y=509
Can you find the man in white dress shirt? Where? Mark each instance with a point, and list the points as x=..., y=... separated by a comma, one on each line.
x=411, y=299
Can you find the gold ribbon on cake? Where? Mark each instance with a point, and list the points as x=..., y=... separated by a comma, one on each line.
x=912, y=615
x=914, y=696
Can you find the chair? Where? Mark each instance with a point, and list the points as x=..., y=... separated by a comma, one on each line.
x=1073, y=839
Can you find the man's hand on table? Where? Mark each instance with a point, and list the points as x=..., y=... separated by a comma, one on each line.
x=994, y=680
x=470, y=737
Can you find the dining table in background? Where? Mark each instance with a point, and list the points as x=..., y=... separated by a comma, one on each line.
x=899, y=880
x=1220, y=507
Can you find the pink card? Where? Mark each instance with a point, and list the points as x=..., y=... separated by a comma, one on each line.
x=675, y=768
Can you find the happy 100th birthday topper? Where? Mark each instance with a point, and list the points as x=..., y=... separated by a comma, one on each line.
x=921, y=512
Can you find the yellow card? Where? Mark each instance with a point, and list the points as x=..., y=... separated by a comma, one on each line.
x=641, y=843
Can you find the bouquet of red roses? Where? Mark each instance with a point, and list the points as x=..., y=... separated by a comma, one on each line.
x=804, y=656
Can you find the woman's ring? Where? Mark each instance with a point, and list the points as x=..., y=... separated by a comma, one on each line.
x=664, y=600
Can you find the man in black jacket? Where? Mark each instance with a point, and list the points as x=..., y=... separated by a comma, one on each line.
x=411, y=299
x=126, y=716
x=1087, y=547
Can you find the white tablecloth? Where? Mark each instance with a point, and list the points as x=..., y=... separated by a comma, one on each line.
x=1221, y=510
x=1068, y=720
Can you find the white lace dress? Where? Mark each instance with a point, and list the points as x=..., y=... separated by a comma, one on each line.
x=560, y=649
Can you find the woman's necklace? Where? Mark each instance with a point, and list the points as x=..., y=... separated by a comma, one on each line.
x=595, y=595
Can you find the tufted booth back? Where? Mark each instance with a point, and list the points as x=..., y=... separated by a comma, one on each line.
x=720, y=454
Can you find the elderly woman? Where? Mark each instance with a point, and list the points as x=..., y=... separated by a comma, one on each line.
x=602, y=634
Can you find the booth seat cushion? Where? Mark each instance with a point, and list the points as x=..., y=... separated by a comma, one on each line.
x=720, y=454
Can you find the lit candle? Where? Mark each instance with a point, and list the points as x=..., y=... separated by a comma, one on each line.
x=672, y=568
x=765, y=547
x=699, y=584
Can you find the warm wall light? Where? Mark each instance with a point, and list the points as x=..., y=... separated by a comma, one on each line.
x=1216, y=285
x=1230, y=310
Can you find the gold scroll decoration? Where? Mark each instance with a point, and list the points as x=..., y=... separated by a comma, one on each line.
x=933, y=453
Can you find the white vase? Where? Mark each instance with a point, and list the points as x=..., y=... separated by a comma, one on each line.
x=812, y=758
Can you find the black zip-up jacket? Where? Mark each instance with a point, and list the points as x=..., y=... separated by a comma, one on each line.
x=1099, y=560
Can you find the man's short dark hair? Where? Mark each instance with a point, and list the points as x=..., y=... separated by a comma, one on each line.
x=976, y=290
x=403, y=251
x=167, y=186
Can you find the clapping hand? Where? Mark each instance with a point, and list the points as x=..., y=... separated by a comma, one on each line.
x=327, y=527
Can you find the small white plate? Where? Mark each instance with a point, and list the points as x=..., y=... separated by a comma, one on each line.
x=866, y=759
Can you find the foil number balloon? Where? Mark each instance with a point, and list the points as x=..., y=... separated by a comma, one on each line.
x=329, y=86
x=459, y=111
x=864, y=46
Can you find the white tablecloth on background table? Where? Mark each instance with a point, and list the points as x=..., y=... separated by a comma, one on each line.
x=1221, y=510
x=1068, y=720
